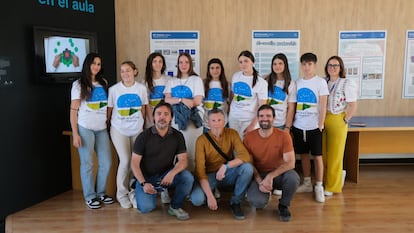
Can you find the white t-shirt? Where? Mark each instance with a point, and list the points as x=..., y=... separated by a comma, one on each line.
x=157, y=94
x=213, y=99
x=246, y=99
x=307, y=107
x=127, y=104
x=279, y=101
x=341, y=92
x=92, y=112
x=185, y=87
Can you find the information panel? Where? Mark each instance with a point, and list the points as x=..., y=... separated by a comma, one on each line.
x=173, y=43
x=363, y=53
x=265, y=44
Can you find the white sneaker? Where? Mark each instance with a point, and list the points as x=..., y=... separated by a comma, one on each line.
x=277, y=192
x=343, y=177
x=125, y=203
x=132, y=199
x=328, y=194
x=305, y=188
x=217, y=193
x=165, y=197
x=319, y=194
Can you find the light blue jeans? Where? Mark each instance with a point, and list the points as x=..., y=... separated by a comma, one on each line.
x=183, y=183
x=240, y=177
x=98, y=141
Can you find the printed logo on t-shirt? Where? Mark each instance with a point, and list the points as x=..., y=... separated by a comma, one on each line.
x=157, y=95
x=98, y=99
x=128, y=104
x=306, y=99
x=277, y=97
x=181, y=91
x=214, y=98
x=242, y=91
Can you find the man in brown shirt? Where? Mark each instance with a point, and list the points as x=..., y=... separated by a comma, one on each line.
x=273, y=158
x=215, y=170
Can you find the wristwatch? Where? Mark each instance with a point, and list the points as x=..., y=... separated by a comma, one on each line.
x=179, y=100
x=143, y=183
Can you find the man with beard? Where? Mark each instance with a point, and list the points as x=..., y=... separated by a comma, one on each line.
x=273, y=160
x=159, y=160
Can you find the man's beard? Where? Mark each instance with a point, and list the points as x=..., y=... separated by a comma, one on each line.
x=265, y=124
x=162, y=124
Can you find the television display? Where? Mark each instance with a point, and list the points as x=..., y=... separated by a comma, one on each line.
x=59, y=53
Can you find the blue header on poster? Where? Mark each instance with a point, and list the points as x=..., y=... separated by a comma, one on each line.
x=410, y=34
x=273, y=35
x=363, y=35
x=174, y=35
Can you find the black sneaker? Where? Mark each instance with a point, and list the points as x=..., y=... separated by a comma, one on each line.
x=284, y=213
x=106, y=199
x=94, y=203
x=237, y=211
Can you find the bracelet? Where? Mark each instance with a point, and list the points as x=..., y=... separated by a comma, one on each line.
x=74, y=109
x=287, y=127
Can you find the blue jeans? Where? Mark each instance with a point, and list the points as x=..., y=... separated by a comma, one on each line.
x=183, y=183
x=240, y=177
x=288, y=182
x=98, y=141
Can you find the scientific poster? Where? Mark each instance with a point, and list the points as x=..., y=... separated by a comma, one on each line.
x=172, y=43
x=363, y=53
x=408, y=87
x=265, y=44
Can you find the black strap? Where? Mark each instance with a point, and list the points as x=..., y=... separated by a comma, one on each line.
x=217, y=147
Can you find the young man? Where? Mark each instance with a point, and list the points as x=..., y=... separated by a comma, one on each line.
x=312, y=94
x=215, y=170
x=273, y=157
x=154, y=153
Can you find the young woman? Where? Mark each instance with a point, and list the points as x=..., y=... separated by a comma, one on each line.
x=282, y=95
x=216, y=89
x=249, y=91
x=126, y=113
x=185, y=93
x=342, y=104
x=155, y=80
x=281, y=92
x=88, y=118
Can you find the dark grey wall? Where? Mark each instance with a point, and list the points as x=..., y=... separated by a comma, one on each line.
x=34, y=156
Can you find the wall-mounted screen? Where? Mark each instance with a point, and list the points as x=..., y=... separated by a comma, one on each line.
x=59, y=53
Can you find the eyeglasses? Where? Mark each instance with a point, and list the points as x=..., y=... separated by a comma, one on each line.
x=333, y=65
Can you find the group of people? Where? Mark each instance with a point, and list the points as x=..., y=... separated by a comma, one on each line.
x=194, y=137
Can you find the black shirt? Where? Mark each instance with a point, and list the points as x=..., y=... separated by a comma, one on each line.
x=158, y=153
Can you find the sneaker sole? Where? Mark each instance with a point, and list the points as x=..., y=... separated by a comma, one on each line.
x=179, y=218
x=239, y=217
x=93, y=207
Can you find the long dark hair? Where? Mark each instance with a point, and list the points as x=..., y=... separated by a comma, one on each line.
x=341, y=67
x=86, y=76
x=222, y=78
x=249, y=55
x=190, y=70
x=149, y=79
x=272, y=78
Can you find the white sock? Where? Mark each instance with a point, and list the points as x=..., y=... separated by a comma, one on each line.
x=318, y=183
x=307, y=180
